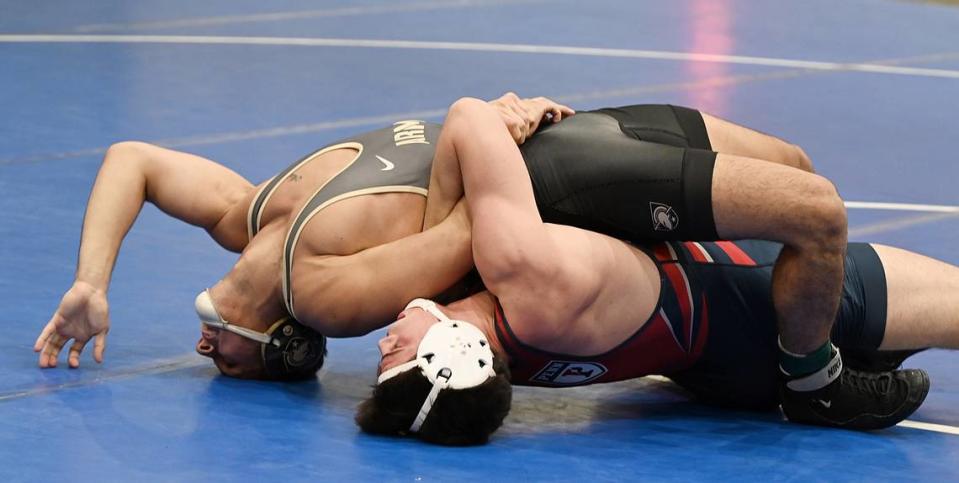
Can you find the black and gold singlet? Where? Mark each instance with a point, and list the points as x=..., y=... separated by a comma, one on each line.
x=394, y=159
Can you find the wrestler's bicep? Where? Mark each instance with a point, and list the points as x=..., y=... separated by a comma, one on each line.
x=543, y=277
x=510, y=246
x=198, y=191
x=509, y=238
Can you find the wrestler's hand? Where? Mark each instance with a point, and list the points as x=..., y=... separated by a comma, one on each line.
x=542, y=108
x=523, y=116
x=83, y=315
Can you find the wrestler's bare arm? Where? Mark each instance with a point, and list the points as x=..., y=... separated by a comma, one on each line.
x=521, y=118
x=518, y=257
x=190, y=188
x=349, y=296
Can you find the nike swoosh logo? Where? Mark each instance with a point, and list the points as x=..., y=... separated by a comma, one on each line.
x=388, y=165
x=826, y=404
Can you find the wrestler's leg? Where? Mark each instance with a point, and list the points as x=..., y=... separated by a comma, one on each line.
x=730, y=138
x=758, y=199
x=923, y=301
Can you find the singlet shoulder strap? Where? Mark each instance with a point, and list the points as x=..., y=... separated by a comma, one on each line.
x=256, y=207
x=300, y=221
x=395, y=159
x=266, y=191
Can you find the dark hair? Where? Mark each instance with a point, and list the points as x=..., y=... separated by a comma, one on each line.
x=459, y=417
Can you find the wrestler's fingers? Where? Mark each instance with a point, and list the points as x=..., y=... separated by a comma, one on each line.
x=517, y=128
x=560, y=111
x=554, y=114
x=73, y=360
x=99, y=345
x=44, y=335
x=537, y=114
x=519, y=115
x=516, y=105
x=519, y=135
x=532, y=117
x=42, y=360
x=522, y=123
x=51, y=351
x=555, y=110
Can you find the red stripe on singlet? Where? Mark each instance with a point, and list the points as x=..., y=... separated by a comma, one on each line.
x=738, y=256
x=661, y=251
x=696, y=252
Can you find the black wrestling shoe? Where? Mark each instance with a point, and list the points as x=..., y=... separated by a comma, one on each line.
x=854, y=399
x=876, y=360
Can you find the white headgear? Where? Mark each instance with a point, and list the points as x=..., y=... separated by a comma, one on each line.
x=453, y=354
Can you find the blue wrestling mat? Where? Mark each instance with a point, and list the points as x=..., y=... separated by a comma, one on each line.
x=869, y=88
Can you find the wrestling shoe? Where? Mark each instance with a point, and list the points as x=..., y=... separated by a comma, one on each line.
x=854, y=399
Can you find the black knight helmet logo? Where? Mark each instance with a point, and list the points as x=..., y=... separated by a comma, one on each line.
x=664, y=217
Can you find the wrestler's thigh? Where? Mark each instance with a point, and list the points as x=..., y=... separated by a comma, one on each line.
x=730, y=138
x=923, y=301
x=753, y=198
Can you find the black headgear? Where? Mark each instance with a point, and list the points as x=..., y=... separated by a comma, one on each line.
x=295, y=351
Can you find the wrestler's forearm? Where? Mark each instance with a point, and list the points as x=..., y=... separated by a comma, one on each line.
x=421, y=265
x=353, y=295
x=115, y=201
x=509, y=236
x=446, y=184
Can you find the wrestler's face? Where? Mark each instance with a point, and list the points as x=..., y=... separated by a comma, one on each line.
x=233, y=355
x=403, y=337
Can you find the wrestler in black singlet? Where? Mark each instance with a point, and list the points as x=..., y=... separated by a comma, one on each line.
x=636, y=173
x=591, y=171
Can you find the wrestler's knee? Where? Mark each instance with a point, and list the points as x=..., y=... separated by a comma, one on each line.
x=821, y=216
x=126, y=151
x=802, y=160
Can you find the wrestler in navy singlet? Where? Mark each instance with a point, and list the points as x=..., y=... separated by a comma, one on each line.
x=714, y=329
x=671, y=340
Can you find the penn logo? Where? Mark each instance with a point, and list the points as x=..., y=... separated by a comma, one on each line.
x=409, y=132
x=565, y=373
x=664, y=216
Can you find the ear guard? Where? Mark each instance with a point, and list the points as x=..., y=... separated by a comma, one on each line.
x=295, y=351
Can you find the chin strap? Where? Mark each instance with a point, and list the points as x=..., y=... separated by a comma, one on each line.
x=442, y=382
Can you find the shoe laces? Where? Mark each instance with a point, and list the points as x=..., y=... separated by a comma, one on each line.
x=873, y=384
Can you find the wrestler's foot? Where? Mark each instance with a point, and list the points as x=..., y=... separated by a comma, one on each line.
x=855, y=399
